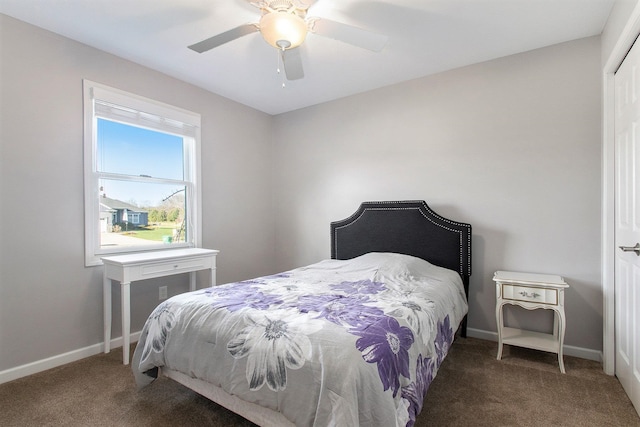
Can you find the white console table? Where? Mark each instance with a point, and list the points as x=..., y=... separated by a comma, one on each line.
x=531, y=291
x=148, y=265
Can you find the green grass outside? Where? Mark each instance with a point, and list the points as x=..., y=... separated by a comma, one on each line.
x=154, y=233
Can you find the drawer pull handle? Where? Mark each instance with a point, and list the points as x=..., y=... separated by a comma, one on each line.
x=529, y=295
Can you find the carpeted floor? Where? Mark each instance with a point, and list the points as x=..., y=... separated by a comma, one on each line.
x=472, y=388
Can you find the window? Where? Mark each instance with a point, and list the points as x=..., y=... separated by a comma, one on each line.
x=142, y=182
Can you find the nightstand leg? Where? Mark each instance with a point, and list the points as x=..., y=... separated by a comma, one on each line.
x=561, y=327
x=500, y=324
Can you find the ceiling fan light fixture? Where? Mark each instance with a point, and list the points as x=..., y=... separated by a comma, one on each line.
x=283, y=29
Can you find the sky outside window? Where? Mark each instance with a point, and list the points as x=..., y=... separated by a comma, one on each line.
x=134, y=151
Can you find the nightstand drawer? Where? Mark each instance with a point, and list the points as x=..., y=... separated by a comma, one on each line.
x=529, y=294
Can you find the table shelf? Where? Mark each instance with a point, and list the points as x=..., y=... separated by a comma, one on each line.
x=530, y=339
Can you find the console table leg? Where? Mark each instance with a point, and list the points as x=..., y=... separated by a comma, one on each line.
x=106, y=306
x=192, y=281
x=126, y=320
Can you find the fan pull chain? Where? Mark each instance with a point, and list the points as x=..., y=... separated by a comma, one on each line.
x=281, y=55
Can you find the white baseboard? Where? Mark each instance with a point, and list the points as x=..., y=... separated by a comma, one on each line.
x=569, y=350
x=61, y=359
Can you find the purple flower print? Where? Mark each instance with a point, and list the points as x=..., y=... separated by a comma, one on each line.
x=359, y=287
x=444, y=339
x=341, y=310
x=237, y=296
x=417, y=390
x=387, y=344
x=284, y=275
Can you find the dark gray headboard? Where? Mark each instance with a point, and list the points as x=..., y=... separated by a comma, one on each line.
x=405, y=227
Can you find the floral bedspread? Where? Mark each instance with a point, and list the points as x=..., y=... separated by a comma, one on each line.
x=353, y=342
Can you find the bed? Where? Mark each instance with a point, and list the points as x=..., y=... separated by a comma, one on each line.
x=351, y=340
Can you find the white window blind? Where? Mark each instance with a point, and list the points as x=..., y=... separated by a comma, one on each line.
x=138, y=112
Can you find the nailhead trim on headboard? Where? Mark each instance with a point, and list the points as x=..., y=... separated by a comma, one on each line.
x=460, y=228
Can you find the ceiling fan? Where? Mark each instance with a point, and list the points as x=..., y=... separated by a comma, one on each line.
x=284, y=25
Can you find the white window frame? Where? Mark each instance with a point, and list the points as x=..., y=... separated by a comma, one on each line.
x=135, y=218
x=143, y=112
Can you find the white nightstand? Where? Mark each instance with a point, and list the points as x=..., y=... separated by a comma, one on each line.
x=531, y=291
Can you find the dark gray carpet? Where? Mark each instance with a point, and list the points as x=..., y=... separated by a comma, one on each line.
x=472, y=388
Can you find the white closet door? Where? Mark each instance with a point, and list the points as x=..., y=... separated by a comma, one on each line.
x=627, y=206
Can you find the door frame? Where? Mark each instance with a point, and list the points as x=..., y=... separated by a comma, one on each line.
x=622, y=46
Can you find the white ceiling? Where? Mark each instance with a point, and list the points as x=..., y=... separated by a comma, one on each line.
x=425, y=37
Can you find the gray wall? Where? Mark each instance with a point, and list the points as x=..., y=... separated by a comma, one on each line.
x=511, y=146
x=49, y=302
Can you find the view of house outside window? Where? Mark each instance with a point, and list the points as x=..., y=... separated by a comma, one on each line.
x=142, y=193
x=141, y=174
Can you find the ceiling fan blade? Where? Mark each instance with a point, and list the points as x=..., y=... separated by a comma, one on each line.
x=292, y=64
x=223, y=38
x=348, y=34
